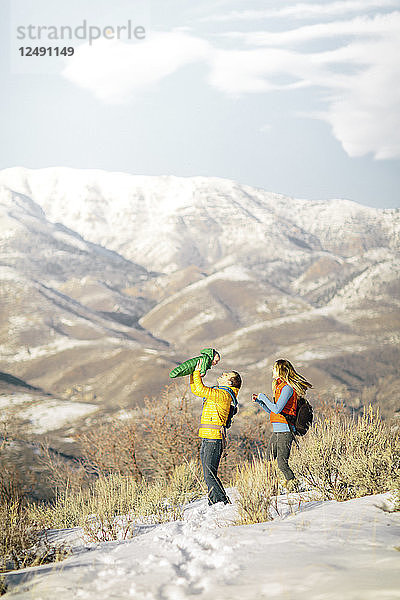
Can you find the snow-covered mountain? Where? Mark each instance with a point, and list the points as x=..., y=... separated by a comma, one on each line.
x=195, y=262
x=66, y=315
x=167, y=223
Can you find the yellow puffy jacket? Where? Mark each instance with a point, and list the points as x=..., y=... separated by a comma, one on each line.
x=215, y=408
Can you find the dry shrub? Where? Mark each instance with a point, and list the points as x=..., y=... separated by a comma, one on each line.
x=16, y=532
x=344, y=457
x=16, y=535
x=112, y=507
x=106, y=497
x=15, y=481
x=151, y=442
x=169, y=431
x=325, y=407
x=111, y=448
x=258, y=486
x=397, y=495
x=67, y=509
x=61, y=474
x=109, y=507
x=22, y=543
x=11, y=486
x=186, y=482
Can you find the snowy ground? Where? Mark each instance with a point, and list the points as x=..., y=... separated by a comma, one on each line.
x=44, y=414
x=313, y=550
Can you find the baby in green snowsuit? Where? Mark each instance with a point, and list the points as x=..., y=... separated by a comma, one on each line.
x=208, y=356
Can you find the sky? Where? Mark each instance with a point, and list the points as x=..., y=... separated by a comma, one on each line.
x=299, y=98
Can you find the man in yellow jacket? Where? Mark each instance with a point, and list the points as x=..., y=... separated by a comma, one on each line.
x=215, y=413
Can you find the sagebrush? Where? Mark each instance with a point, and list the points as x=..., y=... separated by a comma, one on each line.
x=114, y=505
x=257, y=484
x=348, y=457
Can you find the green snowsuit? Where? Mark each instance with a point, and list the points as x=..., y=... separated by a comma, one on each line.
x=187, y=367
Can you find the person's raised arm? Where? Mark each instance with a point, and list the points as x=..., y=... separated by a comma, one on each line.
x=269, y=406
x=258, y=399
x=197, y=386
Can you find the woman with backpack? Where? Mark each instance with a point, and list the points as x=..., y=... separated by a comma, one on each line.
x=287, y=387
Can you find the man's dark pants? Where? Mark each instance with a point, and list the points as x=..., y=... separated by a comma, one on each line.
x=279, y=447
x=210, y=455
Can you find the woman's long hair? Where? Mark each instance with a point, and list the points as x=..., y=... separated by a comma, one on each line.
x=284, y=370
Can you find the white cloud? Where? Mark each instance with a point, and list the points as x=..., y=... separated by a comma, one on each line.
x=304, y=10
x=359, y=26
x=257, y=70
x=365, y=117
x=115, y=71
x=360, y=78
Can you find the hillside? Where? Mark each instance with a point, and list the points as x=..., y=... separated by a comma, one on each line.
x=110, y=279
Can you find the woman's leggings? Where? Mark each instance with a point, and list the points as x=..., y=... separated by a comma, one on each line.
x=279, y=447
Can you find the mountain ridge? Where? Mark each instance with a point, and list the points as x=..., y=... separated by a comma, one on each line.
x=158, y=267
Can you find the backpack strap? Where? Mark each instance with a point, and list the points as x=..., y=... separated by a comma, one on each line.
x=232, y=395
x=292, y=430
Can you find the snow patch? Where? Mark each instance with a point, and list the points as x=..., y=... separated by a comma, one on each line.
x=49, y=415
x=33, y=352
